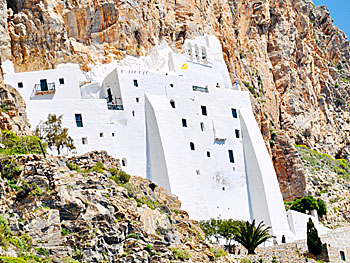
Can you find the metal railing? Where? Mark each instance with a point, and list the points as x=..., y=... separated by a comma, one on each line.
x=41, y=89
x=112, y=106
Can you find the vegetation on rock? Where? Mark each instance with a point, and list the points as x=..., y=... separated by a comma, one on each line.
x=11, y=144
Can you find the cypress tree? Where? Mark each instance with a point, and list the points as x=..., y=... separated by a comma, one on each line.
x=314, y=243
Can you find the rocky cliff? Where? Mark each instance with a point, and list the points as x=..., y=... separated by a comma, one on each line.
x=83, y=209
x=12, y=111
x=287, y=53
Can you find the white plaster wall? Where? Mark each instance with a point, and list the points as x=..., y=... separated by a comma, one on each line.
x=264, y=193
x=298, y=224
x=69, y=90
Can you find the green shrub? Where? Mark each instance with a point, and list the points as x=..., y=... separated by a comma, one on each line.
x=148, y=248
x=314, y=243
x=118, y=176
x=180, y=254
x=308, y=203
x=322, y=208
x=18, y=145
x=12, y=260
x=150, y=203
x=304, y=204
x=98, y=168
x=218, y=252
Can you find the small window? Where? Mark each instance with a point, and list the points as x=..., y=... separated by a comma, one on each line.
x=84, y=140
x=192, y=146
x=172, y=103
x=101, y=134
x=124, y=162
x=217, y=85
x=234, y=113
x=133, y=113
x=61, y=81
x=233, y=169
x=237, y=133
x=184, y=123
x=79, y=120
x=198, y=172
x=204, y=110
x=135, y=83
x=137, y=99
x=202, y=126
x=223, y=188
x=112, y=134
x=342, y=255
x=171, y=85
x=20, y=85
x=208, y=154
x=230, y=154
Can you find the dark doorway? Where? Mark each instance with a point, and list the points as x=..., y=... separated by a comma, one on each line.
x=43, y=85
x=109, y=94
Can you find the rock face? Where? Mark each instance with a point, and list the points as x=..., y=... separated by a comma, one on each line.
x=287, y=53
x=80, y=212
x=12, y=111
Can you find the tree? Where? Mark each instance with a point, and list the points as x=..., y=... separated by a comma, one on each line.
x=251, y=236
x=322, y=208
x=308, y=203
x=314, y=243
x=54, y=135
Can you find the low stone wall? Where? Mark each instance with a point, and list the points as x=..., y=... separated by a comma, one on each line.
x=335, y=242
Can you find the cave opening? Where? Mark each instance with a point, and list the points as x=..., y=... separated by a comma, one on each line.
x=13, y=5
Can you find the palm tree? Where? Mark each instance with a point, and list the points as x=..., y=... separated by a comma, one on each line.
x=250, y=236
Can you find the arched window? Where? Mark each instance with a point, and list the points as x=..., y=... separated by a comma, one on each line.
x=204, y=55
x=192, y=146
x=189, y=50
x=124, y=162
x=172, y=103
x=196, y=53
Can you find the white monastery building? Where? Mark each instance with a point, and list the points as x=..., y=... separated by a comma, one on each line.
x=175, y=119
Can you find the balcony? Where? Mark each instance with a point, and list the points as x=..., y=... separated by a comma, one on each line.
x=112, y=106
x=43, y=88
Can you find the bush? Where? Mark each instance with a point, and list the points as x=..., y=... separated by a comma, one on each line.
x=322, y=208
x=118, y=176
x=218, y=252
x=180, y=254
x=304, y=204
x=314, y=243
x=308, y=203
x=18, y=145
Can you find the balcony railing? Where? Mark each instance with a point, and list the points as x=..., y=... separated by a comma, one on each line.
x=40, y=89
x=112, y=106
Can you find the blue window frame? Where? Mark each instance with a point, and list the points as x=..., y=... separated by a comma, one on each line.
x=234, y=113
x=78, y=120
x=230, y=154
x=136, y=83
